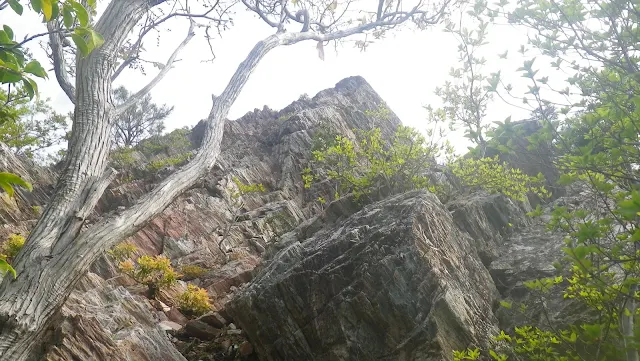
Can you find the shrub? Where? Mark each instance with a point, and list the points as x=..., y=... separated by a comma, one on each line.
x=175, y=140
x=192, y=271
x=179, y=159
x=123, y=251
x=155, y=272
x=122, y=158
x=370, y=167
x=247, y=188
x=494, y=176
x=194, y=301
x=11, y=247
x=382, y=112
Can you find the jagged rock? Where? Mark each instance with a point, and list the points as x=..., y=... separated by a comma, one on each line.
x=170, y=325
x=102, y=322
x=213, y=319
x=397, y=280
x=199, y=329
x=488, y=219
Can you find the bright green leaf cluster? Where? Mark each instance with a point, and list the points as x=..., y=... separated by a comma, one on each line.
x=14, y=65
x=194, y=301
x=494, y=176
x=371, y=167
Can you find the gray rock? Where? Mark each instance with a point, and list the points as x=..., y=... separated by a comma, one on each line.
x=397, y=280
x=201, y=330
x=213, y=319
x=101, y=322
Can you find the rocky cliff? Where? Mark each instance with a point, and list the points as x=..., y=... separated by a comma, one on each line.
x=406, y=278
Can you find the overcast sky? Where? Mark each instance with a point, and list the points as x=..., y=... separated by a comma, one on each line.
x=404, y=69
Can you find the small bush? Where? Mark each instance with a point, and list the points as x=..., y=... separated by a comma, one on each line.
x=123, y=251
x=194, y=301
x=497, y=177
x=123, y=158
x=372, y=167
x=179, y=159
x=382, y=112
x=37, y=210
x=175, y=140
x=192, y=271
x=11, y=247
x=247, y=188
x=155, y=272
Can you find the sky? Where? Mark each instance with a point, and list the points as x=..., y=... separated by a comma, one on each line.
x=404, y=68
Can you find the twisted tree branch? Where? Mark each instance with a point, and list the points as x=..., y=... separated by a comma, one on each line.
x=165, y=70
x=58, y=59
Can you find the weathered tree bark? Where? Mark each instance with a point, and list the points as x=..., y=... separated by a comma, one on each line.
x=57, y=254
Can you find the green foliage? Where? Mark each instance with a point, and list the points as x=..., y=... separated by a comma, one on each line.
x=192, y=271
x=381, y=112
x=123, y=251
x=174, y=141
x=155, y=272
x=494, y=176
x=177, y=160
x=246, y=188
x=194, y=301
x=142, y=120
x=596, y=141
x=29, y=127
x=11, y=247
x=8, y=180
x=371, y=168
x=15, y=65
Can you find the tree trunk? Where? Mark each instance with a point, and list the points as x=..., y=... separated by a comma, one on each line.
x=57, y=254
x=25, y=309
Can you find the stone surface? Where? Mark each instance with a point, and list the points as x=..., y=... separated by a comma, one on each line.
x=395, y=281
x=406, y=278
x=213, y=319
x=201, y=330
x=488, y=219
x=102, y=322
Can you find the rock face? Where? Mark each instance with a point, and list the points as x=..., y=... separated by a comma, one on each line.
x=395, y=281
x=101, y=321
x=406, y=278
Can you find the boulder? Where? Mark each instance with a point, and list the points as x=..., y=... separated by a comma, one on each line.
x=395, y=281
x=103, y=322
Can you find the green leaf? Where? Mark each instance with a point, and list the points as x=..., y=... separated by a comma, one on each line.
x=95, y=40
x=67, y=16
x=81, y=13
x=29, y=88
x=505, y=304
x=9, y=179
x=15, y=5
x=47, y=9
x=81, y=44
x=8, y=30
x=6, y=267
x=36, y=5
x=4, y=38
x=34, y=67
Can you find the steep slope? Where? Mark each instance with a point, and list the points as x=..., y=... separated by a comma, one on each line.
x=405, y=278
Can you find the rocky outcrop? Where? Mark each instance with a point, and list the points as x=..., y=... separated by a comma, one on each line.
x=18, y=214
x=102, y=321
x=395, y=281
x=405, y=278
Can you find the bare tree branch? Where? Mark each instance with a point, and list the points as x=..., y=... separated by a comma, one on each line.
x=131, y=55
x=165, y=70
x=58, y=59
